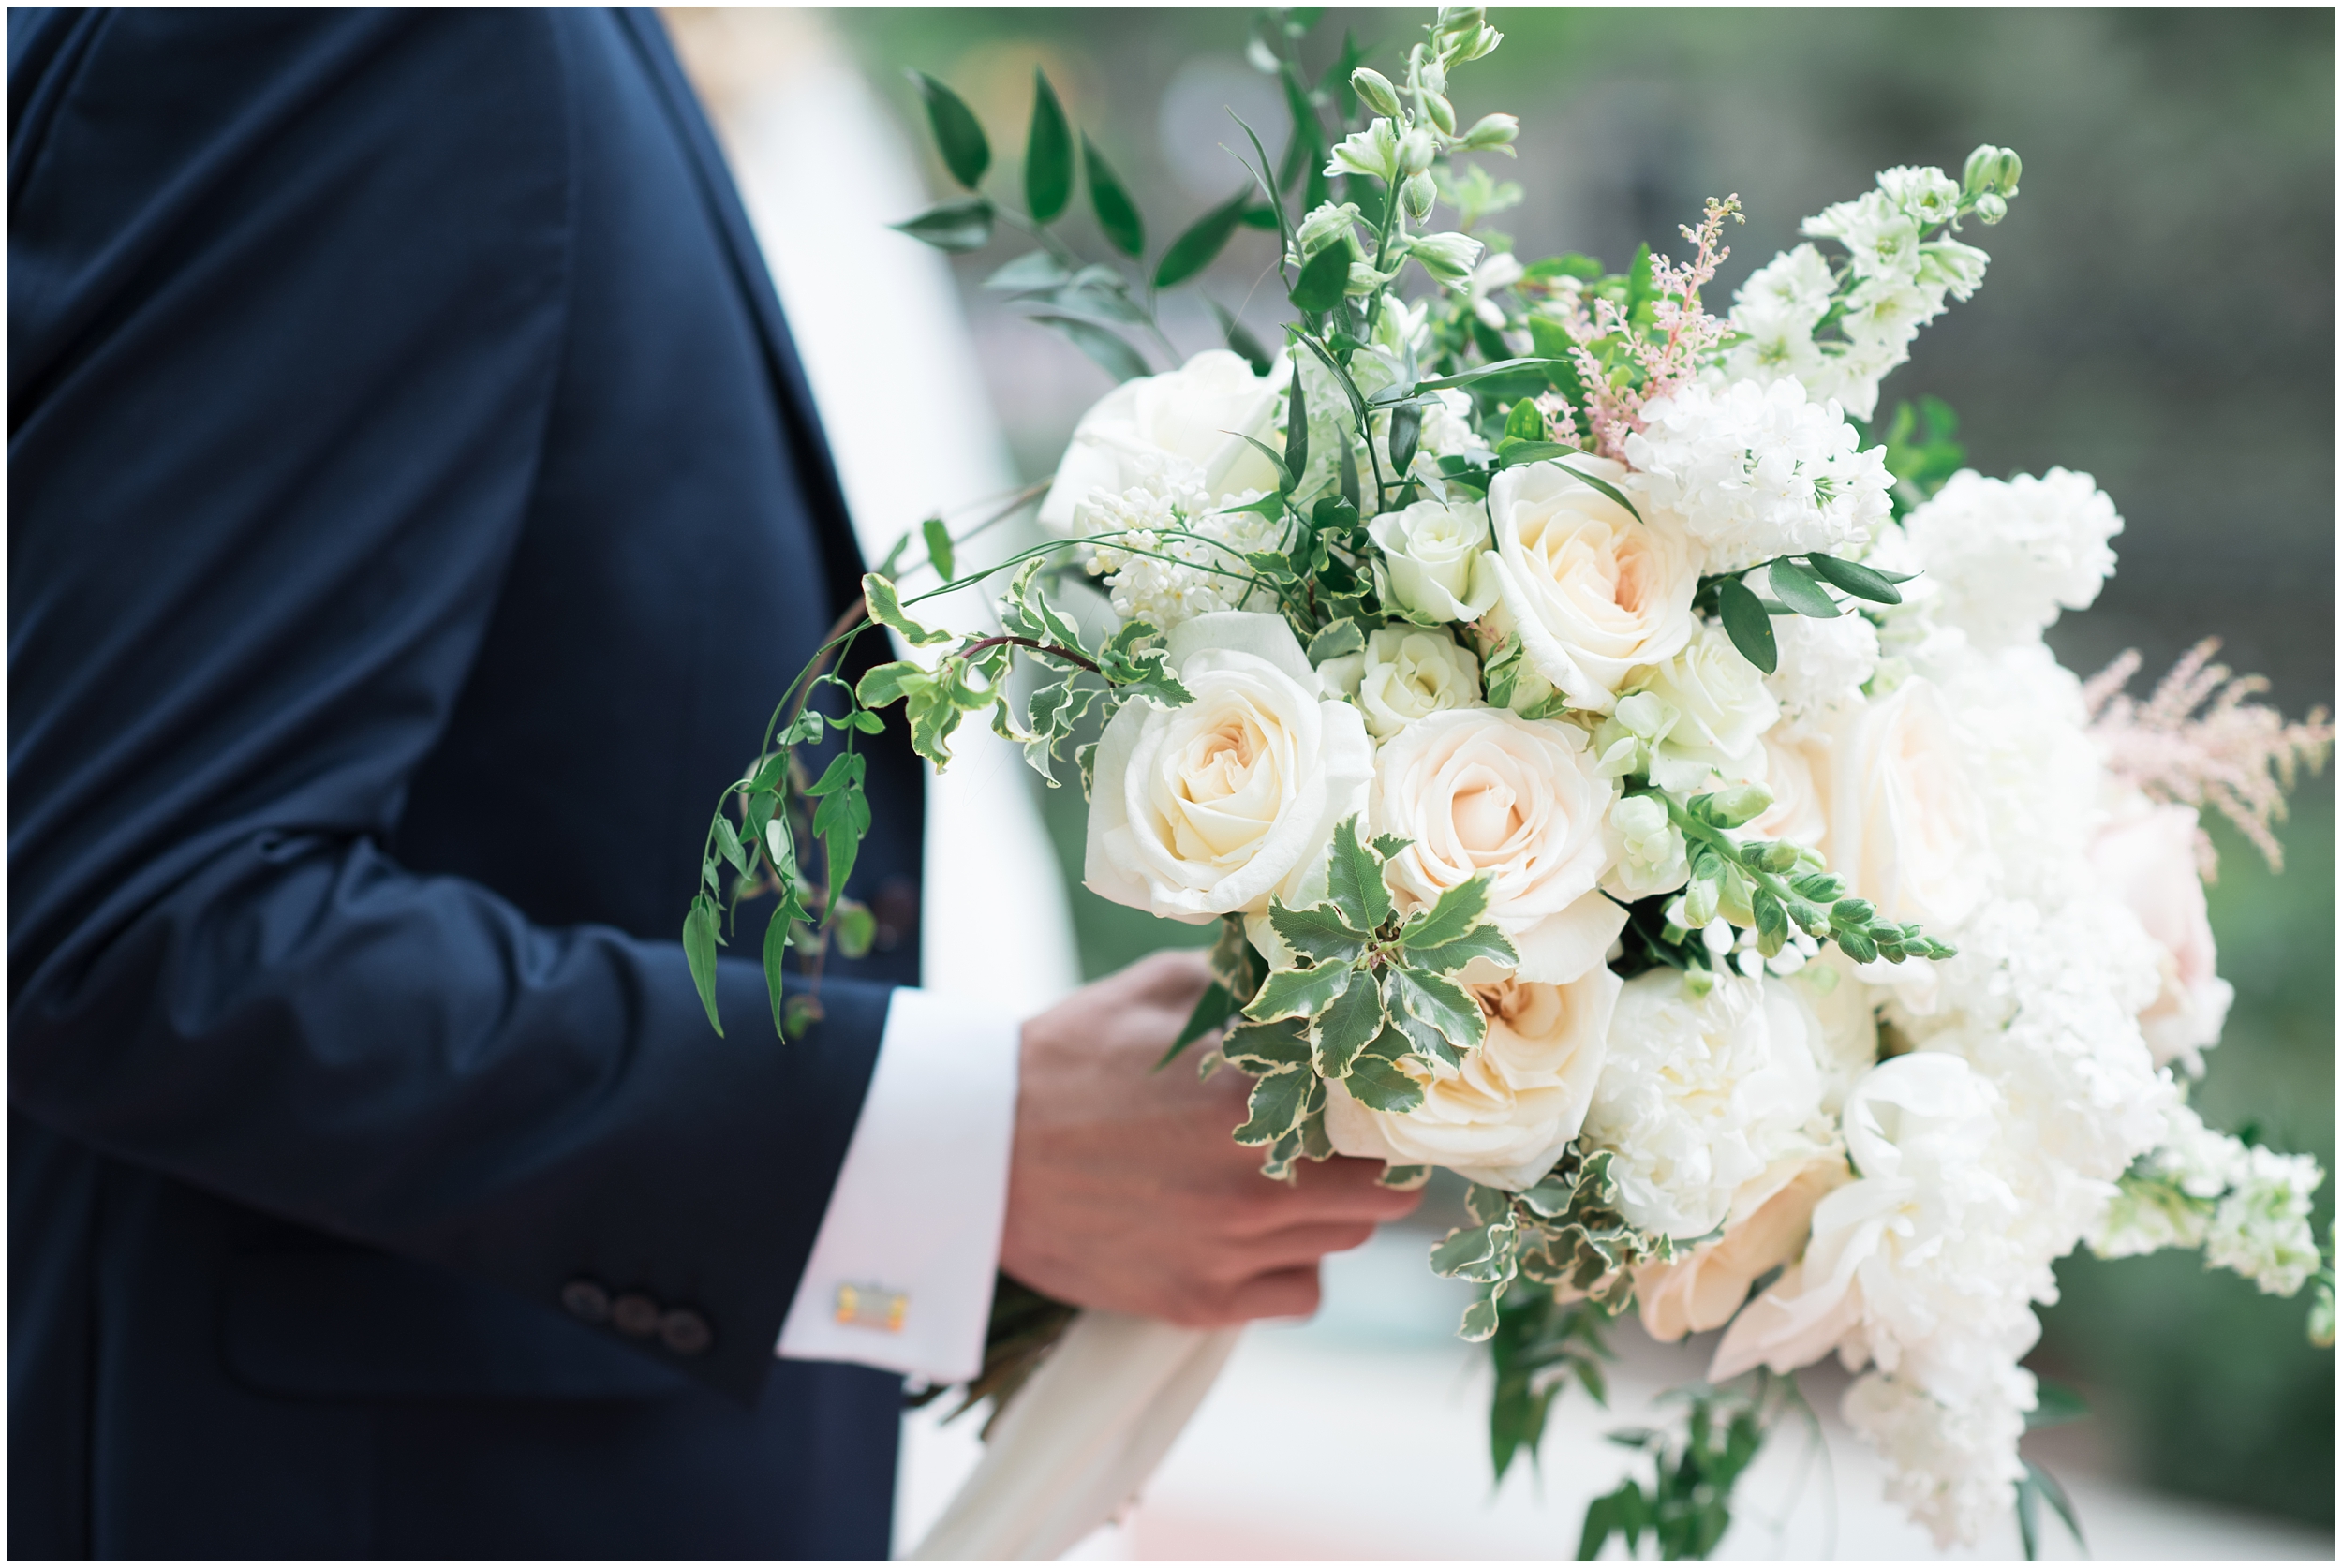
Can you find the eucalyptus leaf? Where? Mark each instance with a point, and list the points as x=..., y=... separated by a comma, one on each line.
x=1105, y=348
x=1034, y=271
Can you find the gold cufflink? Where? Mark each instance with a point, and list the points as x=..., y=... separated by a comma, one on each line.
x=869, y=1307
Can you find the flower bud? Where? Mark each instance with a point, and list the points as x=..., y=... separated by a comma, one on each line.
x=1983, y=164
x=1448, y=258
x=1419, y=193
x=1742, y=803
x=1991, y=209
x=1415, y=152
x=1443, y=114
x=1374, y=90
x=1460, y=18
x=1492, y=130
x=1700, y=903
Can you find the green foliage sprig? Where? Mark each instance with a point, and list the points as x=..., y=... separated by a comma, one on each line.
x=1687, y=1505
x=1565, y=1232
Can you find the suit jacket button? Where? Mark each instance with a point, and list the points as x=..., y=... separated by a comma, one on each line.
x=586, y=1301
x=637, y=1315
x=685, y=1332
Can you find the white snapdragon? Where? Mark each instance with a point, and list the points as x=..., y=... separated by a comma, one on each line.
x=2008, y=554
x=1702, y=1093
x=1757, y=471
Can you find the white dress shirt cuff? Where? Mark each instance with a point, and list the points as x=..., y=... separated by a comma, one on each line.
x=901, y=1272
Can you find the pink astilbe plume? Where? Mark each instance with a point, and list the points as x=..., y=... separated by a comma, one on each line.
x=1687, y=339
x=2239, y=756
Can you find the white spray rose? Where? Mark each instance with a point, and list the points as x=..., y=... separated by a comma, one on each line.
x=1700, y=1094
x=1505, y=1116
x=1591, y=592
x=1218, y=806
x=1435, y=564
x=1403, y=675
x=1171, y=432
x=1722, y=711
x=1906, y=826
x=2006, y=555
x=1767, y=1225
x=2147, y=857
x=1483, y=790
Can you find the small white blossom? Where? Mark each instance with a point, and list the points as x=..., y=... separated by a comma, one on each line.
x=1164, y=559
x=1927, y=196
x=1649, y=849
x=2006, y=555
x=1823, y=665
x=1953, y=1466
x=2261, y=1229
x=1758, y=471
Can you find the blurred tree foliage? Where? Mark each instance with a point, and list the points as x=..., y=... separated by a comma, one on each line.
x=2159, y=313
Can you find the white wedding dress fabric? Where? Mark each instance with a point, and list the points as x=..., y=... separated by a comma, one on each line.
x=823, y=170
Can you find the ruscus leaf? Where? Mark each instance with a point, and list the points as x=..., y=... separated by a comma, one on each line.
x=1797, y=588
x=1857, y=579
x=957, y=136
x=1118, y=215
x=1194, y=250
x=1746, y=622
x=1048, y=156
x=954, y=226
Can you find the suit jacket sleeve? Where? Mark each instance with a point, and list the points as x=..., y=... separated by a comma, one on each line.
x=287, y=301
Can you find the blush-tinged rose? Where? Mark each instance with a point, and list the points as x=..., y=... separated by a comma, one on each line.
x=1180, y=427
x=1591, y=592
x=2146, y=854
x=1505, y=1116
x=1216, y=807
x=1907, y=827
x=1483, y=791
x=1770, y=1217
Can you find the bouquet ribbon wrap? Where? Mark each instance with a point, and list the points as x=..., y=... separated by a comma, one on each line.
x=1078, y=1442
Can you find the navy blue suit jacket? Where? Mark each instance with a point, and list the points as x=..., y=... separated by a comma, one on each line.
x=415, y=508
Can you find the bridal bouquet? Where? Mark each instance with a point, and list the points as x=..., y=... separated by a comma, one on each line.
x=1618, y=771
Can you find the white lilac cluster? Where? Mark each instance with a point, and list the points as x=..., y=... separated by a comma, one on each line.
x=1899, y=271
x=1759, y=470
x=1551, y=684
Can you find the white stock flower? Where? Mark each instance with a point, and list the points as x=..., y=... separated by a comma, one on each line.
x=2006, y=555
x=2147, y=857
x=1722, y=711
x=1505, y=1116
x=1952, y=1465
x=1701, y=1094
x=1881, y=236
x=1483, y=790
x=1435, y=564
x=1373, y=151
x=1446, y=432
x=2261, y=1229
x=1756, y=471
x=1173, y=433
x=1927, y=196
x=1448, y=258
x=1406, y=674
x=1648, y=853
x=1823, y=665
x=1955, y=268
x=1905, y=827
x=1215, y=807
x=1770, y=1216
x=1591, y=592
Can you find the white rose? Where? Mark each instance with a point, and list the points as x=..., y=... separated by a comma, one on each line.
x=1722, y=710
x=1590, y=591
x=1907, y=828
x=1770, y=1217
x=1216, y=807
x=1506, y=1115
x=1435, y=563
x=2146, y=856
x=1483, y=790
x=1180, y=427
x=1404, y=674
x=1701, y=1093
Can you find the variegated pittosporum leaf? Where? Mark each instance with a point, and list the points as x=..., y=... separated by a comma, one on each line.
x=1563, y=1233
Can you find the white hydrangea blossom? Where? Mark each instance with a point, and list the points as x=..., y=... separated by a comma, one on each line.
x=2006, y=555
x=1166, y=559
x=1757, y=471
x=1953, y=1466
x=1700, y=1093
x=1823, y=665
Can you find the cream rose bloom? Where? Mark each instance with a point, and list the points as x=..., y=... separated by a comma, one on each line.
x=1484, y=790
x=1907, y=828
x=1404, y=674
x=1216, y=807
x=1591, y=592
x=1770, y=1217
x=1435, y=564
x=1176, y=430
x=1722, y=707
x=1505, y=1116
x=2146, y=856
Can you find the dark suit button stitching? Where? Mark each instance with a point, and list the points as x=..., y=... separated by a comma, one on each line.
x=586, y=1301
x=637, y=1315
x=685, y=1332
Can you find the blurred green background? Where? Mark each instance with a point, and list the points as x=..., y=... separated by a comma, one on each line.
x=2159, y=314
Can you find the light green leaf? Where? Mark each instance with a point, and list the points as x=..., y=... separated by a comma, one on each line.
x=699, y=951
x=1354, y=879
x=857, y=927
x=939, y=542
x=1298, y=993
x=1333, y=641
x=1034, y=271
x=727, y=842
x=776, y=952
x=885, y=607
x=1347, y=1024
x=1110, y=352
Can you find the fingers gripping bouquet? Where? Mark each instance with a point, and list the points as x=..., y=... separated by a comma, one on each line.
x=1619, y=774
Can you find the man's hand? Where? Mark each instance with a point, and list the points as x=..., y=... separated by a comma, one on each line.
x=1125, y=1190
